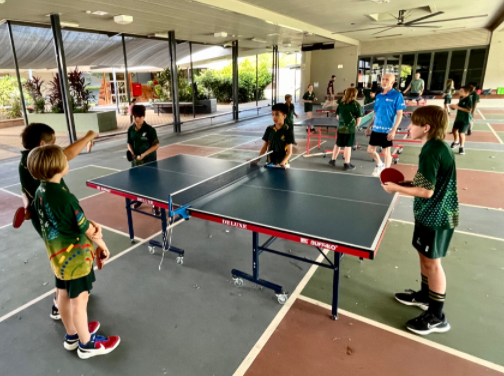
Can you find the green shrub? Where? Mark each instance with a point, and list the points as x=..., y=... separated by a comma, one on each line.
x=15, y=111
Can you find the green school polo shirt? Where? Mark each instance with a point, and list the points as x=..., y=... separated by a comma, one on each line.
x=348, y=115
x=462, y=116
x=437, y=172
x=290, y=114
x=308, y=107
x=474, y=97
x=63, y=226
x=141, y=141
x=449, y=92
x=278, y=140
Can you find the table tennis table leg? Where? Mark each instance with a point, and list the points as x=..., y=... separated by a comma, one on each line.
x=130, y=219
x=336, y=275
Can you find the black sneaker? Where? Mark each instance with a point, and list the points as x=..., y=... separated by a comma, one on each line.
x=136, y=205
x=411, y=298
x=454, y=145
x=427, y=323
x=156, y=211
x=332, y=162
x=55, y=315
x=469, y=132
x=349, y=167
x=461, y=151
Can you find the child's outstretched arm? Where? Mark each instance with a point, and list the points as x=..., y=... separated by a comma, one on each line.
x=74, y=149
x=409, y=191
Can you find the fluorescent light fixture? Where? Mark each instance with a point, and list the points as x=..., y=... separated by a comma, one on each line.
x=285, y=26
x=99, y=13
x=123, y=19
x=69, y=24
x=50, y=14
x=287, y=45
x=259, y=40
x=222, y=34
x=272, y=34
x=161, y=35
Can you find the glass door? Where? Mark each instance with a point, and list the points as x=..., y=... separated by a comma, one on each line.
x=439, y=71
x=406, y=70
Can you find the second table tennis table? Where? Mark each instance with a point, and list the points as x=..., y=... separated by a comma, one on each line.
x=342, y=213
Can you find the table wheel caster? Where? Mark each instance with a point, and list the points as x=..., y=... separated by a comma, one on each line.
x=334, y=317
x=238, y=282
x=325, y=155
x=282, y=298
x=354, y=148
x=395, y=160
x=400, y=151
x=152, y=250
x=180, y=260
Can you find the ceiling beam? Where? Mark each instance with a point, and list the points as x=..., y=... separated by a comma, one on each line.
x=497, y=20
x=275, y=18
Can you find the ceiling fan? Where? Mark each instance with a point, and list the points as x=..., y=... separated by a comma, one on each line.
x=403, y=14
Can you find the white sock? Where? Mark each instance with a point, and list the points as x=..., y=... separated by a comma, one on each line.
x=55, y=304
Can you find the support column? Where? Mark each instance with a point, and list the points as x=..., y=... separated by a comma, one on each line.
x=59, y=51
x=172, y=46
x=193, y=84
x=20, y=86
x=126, y=74
x=235, y=80
x=116, y=89
x=257, y=80
x=273, y=79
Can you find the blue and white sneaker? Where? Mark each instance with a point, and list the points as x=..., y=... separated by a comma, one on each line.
x=72, y=342
x=98, y=345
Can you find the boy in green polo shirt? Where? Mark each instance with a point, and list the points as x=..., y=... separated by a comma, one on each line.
x=142, y=143
x=436, y=211
x=291, y=112
x=308, y=99
x=369, y=96
x=463, y=119
x=475, y=100
x=447, y=95
x=67, y=234
x=350, y=114
x=34, y=135
x=278, y=138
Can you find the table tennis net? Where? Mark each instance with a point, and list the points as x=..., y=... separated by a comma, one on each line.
x=215, y=183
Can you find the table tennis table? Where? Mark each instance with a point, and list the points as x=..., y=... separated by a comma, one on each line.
x=342, y=213
x=182, y=105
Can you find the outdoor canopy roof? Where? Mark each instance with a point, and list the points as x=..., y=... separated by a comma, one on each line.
x=34, y=48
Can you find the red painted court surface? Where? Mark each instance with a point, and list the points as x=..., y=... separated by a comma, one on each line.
x=497, y=127
x=8, y=205
x=474, y=187
x=306, y=344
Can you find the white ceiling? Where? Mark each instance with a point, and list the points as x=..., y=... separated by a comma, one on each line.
x=197, y=20
x=338, y=15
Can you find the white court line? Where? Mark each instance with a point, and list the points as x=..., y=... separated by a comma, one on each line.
x=300, y=155
x=412, y=337
x=52, y=291
x=457, y=231
x=261, y=342
x=106, y=168
x=9, y=192
x=491, y=129
x=118, y=232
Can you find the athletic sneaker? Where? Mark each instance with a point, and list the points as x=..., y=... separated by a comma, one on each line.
x=454, y=145
x=427, y=323
x=378, y=169
x=98, y=345
x=156, y=211
x=72, y=342
x=136, y=205
x=469, y=132
x=461, y=150
x=55, y=313
x=332, y=162
x=411, y=298
x=349, y=167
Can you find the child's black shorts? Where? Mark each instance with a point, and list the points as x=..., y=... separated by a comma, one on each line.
x=75, y=286
x=380, y=139
x=432, y=244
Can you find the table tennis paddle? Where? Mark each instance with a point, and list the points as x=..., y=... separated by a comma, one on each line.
x=19, y=217
x=100, y=257
x=391, y=175
x=129, y=156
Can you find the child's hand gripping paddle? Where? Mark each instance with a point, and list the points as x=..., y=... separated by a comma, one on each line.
x=20, y=216
x=129, y=156
x=391, y=175
x=101, y=256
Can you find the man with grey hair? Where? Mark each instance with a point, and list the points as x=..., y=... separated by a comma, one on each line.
x=389, y=106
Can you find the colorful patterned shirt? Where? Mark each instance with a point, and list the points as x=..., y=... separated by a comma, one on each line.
x=63, y=226
x=437, y=172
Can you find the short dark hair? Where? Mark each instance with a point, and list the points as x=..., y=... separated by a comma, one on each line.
x=138, y=110
x=468, y=89
x=133, y=100
x=282, y=107
x=333, y=76
x=34, y=134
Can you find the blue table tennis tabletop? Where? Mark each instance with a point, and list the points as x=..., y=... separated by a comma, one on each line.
x=345, y=209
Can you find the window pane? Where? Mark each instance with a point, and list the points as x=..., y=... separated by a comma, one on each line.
x=423, y=65
x=393, y=66
x=457, y=67
x=378, y=65
x=364, y=72
x=406, y=69
x=475, y=68
x=439, y=71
